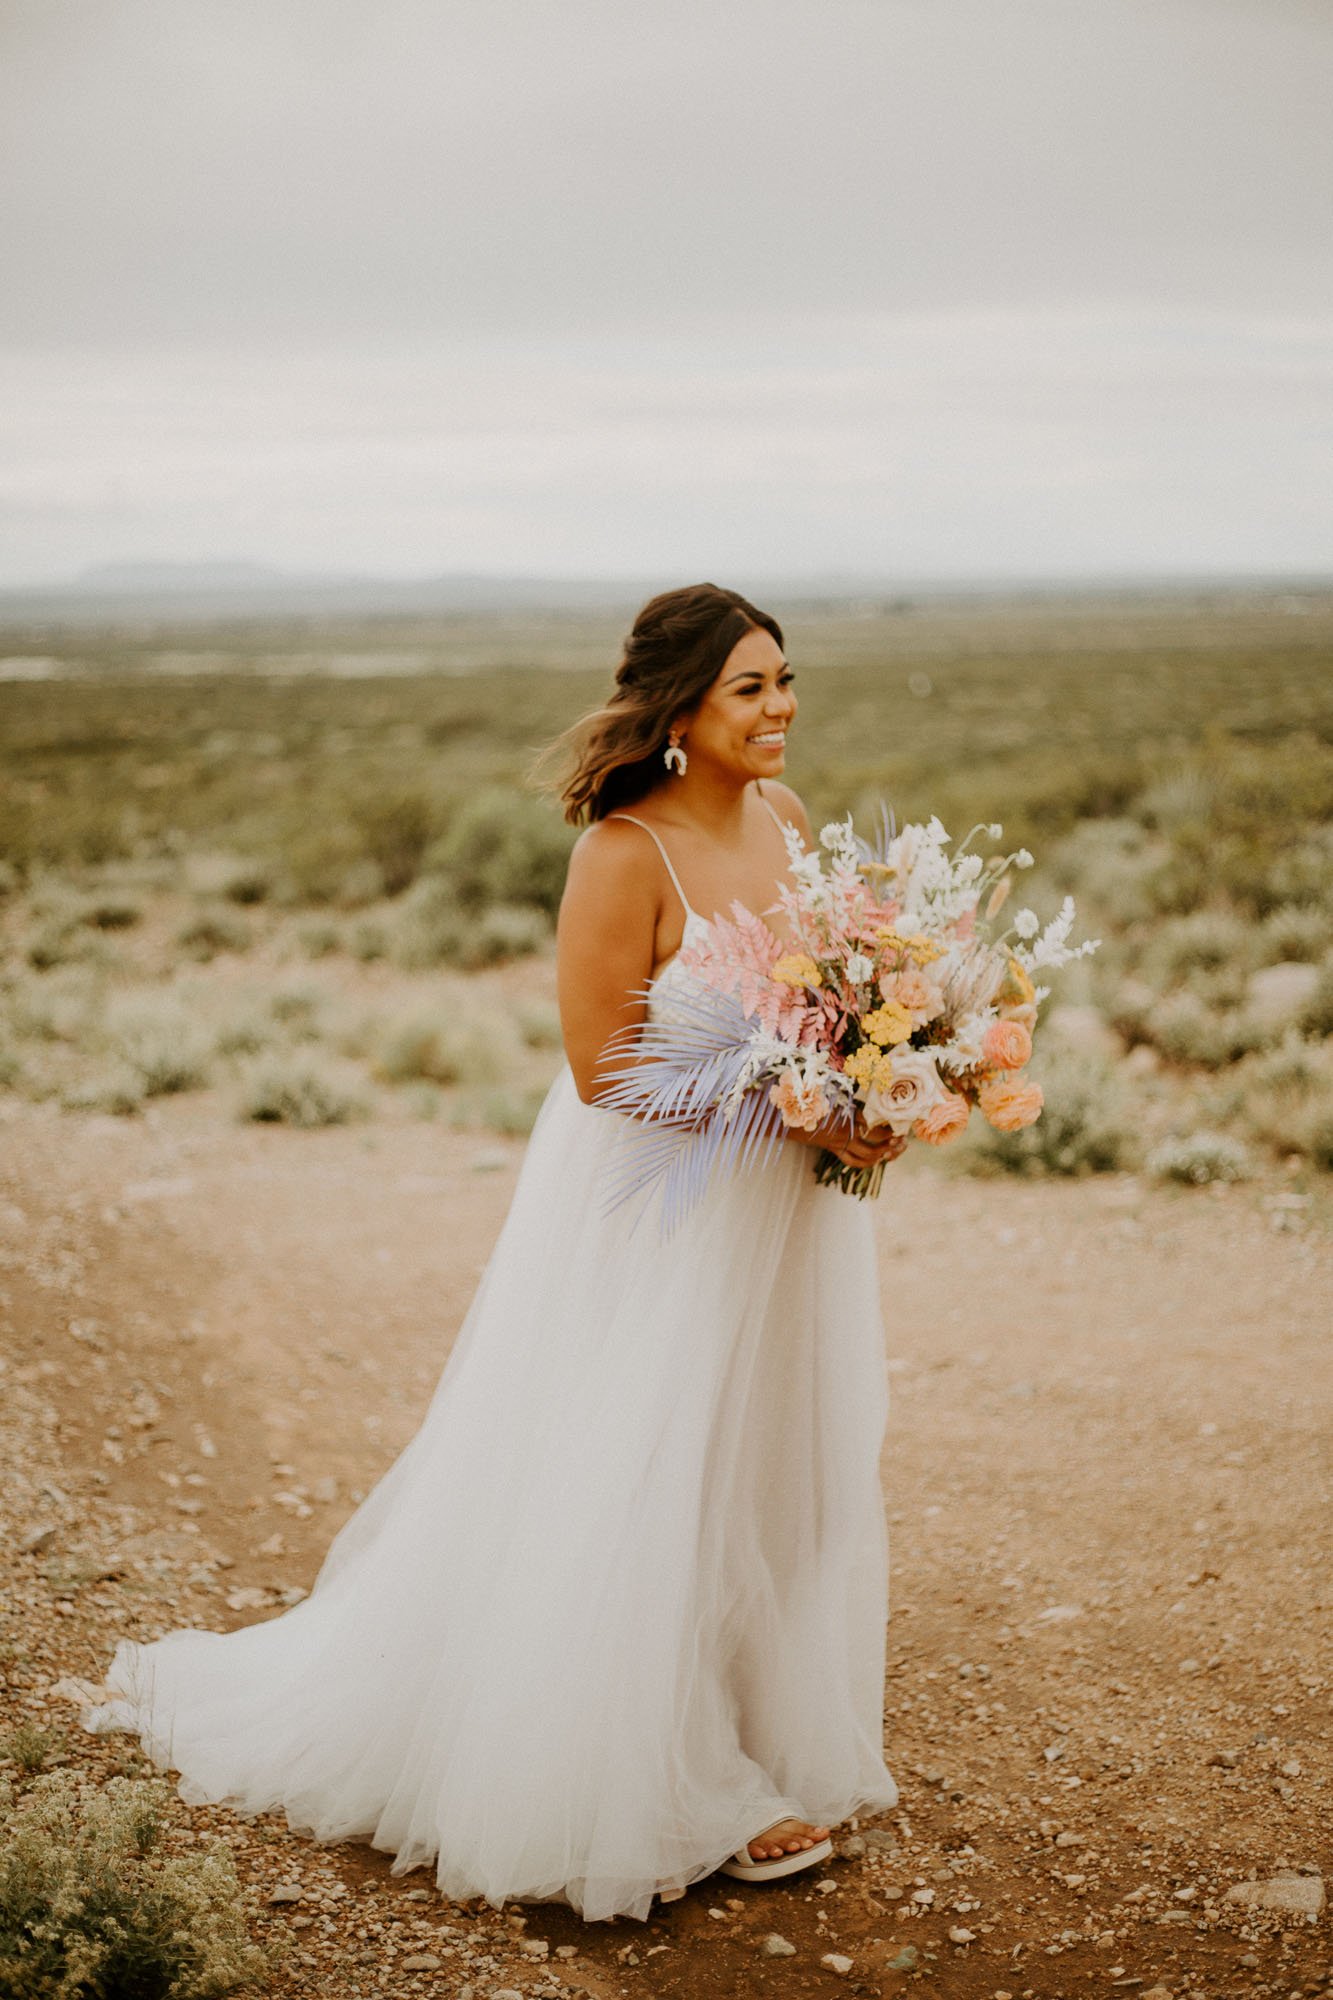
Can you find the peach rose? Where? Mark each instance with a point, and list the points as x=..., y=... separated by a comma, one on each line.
x=1008, y=1103
x=1007, y=1044
x=911, y=989
x=803, y=1105
x=943, y=1121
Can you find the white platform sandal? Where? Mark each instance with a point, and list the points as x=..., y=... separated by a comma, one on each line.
x=746, y=1869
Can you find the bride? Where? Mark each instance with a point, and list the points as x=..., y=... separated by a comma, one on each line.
x=615, y=1617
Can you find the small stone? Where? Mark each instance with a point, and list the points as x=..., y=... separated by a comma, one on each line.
x=36, y=1539
x=836, y=1962
x=1156, y=1993
x=923, y=1896
x=959, y=1934
x=893, y=1892
x=420, y=1961
x=417, y=1896
x=1292, y=1768
x=1224, y=1760
x=500, y=1993
x=566, y=1951
x=286, y=1892
x=1066, y=1840
x=534, y=1947
x=876, y=1836
x=302, y=1923
x=902, y=1961
x=853, y=1848
x=776, y=1946
x=1287, y=1892
x=826, y=1887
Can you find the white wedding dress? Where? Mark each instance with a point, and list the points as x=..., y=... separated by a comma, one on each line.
x=620, y=1604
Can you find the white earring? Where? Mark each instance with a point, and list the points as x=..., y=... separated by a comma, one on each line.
x=674, y=758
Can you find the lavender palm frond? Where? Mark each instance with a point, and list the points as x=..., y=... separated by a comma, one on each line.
x=669, y=1076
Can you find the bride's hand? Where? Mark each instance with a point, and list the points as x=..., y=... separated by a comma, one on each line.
x=864, y=1146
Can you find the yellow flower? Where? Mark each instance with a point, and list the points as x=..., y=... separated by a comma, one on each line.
x=1016, y=989
x=871, y=1067
x=890, y=939
x=888, y=1024
x=923, y=949
x=796, y=968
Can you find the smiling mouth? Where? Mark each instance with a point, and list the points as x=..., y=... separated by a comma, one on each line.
x=771, y=740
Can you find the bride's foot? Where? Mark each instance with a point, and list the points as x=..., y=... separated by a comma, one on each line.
x=786, y=1836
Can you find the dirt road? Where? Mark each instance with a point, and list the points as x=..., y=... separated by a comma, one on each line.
x=1108, y=1482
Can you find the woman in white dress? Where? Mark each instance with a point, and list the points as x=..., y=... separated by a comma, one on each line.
x=616, y=1615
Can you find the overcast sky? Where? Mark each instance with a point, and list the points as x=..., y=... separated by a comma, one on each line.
x=909, y=288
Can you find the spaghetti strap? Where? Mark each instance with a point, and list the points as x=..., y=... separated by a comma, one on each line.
x=675, y=879
x=778, y=820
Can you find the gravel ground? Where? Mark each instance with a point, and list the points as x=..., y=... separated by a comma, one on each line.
x=1108, y=1484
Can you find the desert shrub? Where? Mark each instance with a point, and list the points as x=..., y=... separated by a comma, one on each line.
x=106, y=910
x=297, y=1007
x=368, y=941
x=162, y=1042
x=10, y=880
x=1110, y=866
x=295, y=1089
x=11, y=1065
x=506, y=930
x=30, y=1748
x=318, y=939
x=437, y=1047
x=1199, y=1157
x=1085, y=1126
x=538, y=1024
x=1295, y=934
x=1285, y=1095
x=1184, y=1027
x=395, y=830
x=92, y=1908
x=1205, y=940
x=1317, y=1014
x=116, y=1089
x=505, y=847
x=210, y=931
x=429, y=927
x=61, y=940
x=510, y=1111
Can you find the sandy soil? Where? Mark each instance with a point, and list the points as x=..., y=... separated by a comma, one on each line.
x=1108, y=1482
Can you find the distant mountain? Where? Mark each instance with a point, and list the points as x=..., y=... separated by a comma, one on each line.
x=189, y=593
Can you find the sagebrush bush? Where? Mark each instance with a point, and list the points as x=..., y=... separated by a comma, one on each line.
x=1295, y=934
x=396, y=829
x=1198, y=1158
x=1205, y=940
x=1317, y=1014
x=1085, y=1126
x=1184, y=1027
x=297, y=1089
x=538, y=1024
x=30, y=1748
x=210, y=931
x=505, y=847
x=437, y=1046
x=115, y=1089
x=166, y=1045
x=92, y=1907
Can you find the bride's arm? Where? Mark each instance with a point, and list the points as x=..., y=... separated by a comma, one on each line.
x=604, y=944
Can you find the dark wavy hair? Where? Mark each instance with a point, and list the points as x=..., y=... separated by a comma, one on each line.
x=676, y=649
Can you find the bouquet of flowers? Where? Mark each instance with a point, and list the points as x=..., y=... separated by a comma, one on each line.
x=896, y=997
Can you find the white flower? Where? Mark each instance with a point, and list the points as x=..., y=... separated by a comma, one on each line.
x=1022, y=859
x=964, y=1050
x=859, y=967
x=1027, y=923
x=913, y=1088
x=994, y=830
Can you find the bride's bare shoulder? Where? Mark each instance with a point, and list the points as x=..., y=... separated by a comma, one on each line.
x=789, y=805
x=612, y=861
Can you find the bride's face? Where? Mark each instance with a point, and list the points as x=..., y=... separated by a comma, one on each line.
x=743, y=719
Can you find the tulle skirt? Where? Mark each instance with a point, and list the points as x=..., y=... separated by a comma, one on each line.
x=620, y=1604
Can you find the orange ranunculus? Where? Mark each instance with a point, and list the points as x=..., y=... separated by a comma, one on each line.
x=803, y=1105
x=1008, y=1103
x=943, y=1121
x=1007, y=1044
